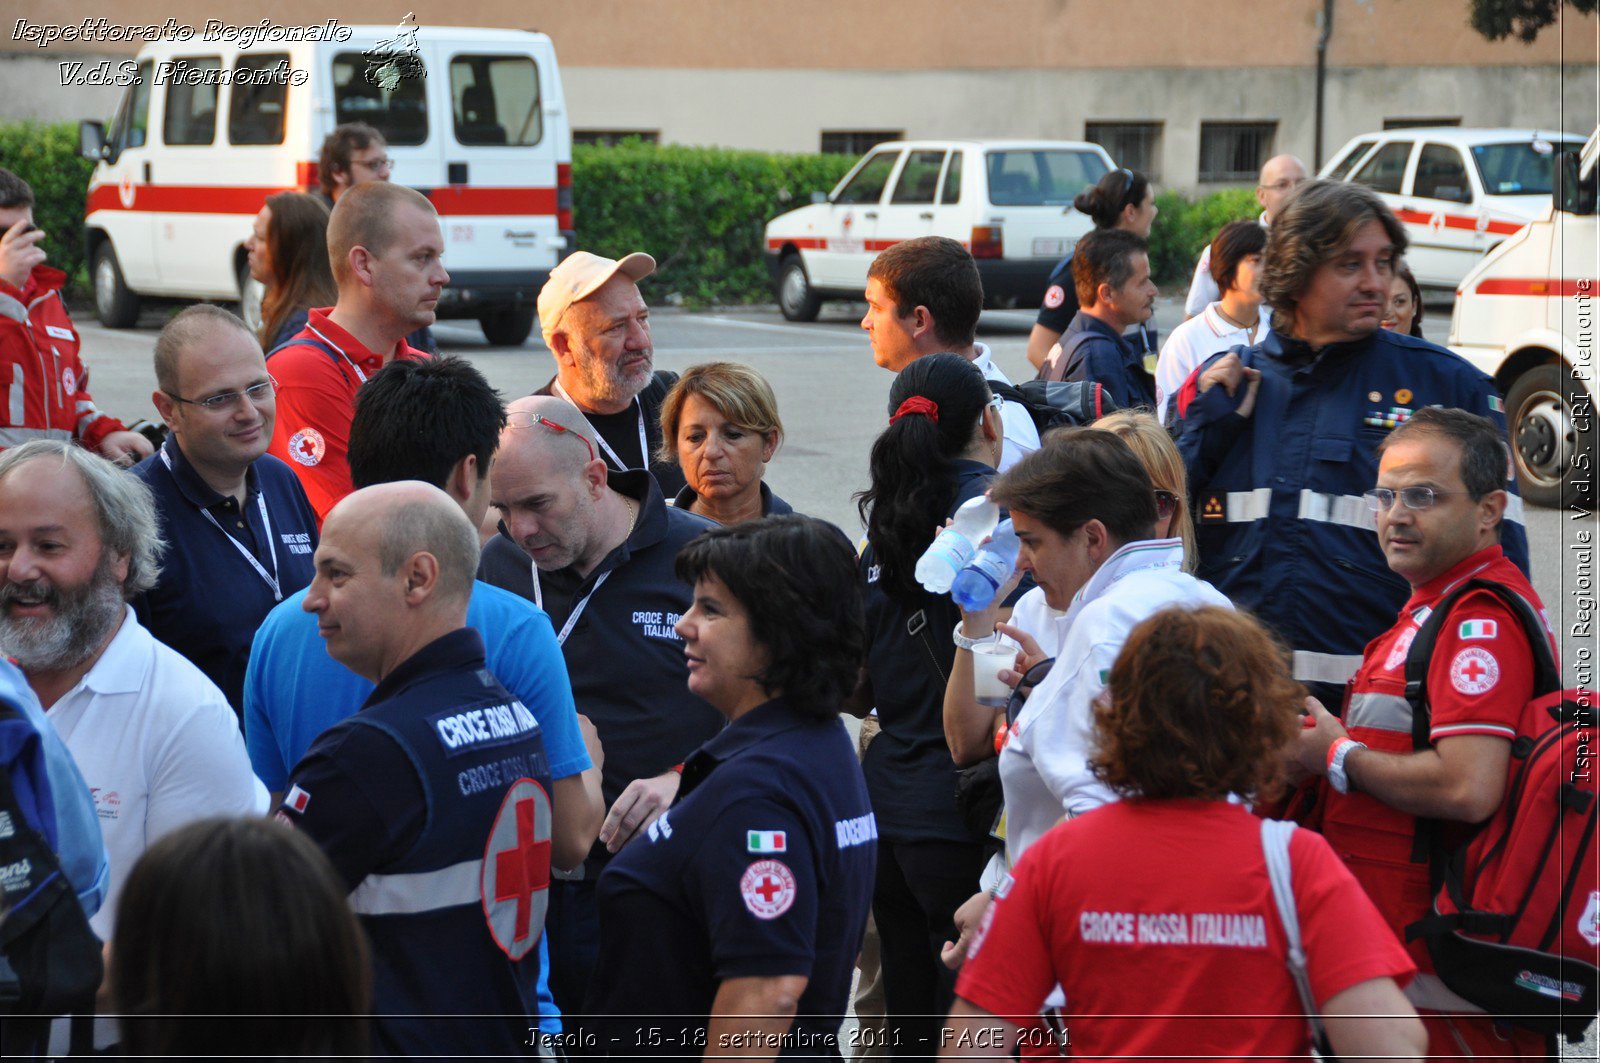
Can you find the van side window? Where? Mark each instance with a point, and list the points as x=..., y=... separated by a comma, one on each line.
x=919, y=178
x=867, y=185
x=496, y=100
x=1442, y=175
x=255, y=112
x=392, y=99
x=191, y=113
x=952, y=180
x=1346, y=164
x=1386, y=169
x=130, y=127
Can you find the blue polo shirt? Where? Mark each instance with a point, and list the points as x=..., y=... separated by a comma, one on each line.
x=210, y=598
x=763, y=867
x=294, y=691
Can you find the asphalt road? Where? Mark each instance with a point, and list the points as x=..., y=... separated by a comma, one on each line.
x=833, y=400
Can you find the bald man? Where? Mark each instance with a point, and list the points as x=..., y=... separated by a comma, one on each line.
x=384, y=244
x=433, y=801
x=595, y=549
x=1280, y=176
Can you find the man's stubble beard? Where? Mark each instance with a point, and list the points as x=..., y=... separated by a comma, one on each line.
x=82, y=622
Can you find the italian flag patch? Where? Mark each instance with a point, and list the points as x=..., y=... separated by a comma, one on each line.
x=1479, y=629
x=1496, y=405
x=766, y=841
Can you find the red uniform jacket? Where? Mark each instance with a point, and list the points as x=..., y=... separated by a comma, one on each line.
x=45, y=387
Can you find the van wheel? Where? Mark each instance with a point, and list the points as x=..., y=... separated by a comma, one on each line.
x=509, y=327
x=114, y=304
x=795, y=297
x=251, y=292
x=1548, y=441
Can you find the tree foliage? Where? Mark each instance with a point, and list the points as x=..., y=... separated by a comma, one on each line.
x=1498, y=19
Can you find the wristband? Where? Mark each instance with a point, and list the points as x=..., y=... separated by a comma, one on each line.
x=963, y=642
x=1338, y=753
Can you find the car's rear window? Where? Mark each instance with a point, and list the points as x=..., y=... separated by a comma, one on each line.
x=1040, y=178
x=1522, y=168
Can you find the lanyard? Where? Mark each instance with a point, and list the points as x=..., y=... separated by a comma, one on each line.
x=577, y=610
x=621, y=466
x=359, y=374
x=270, y=579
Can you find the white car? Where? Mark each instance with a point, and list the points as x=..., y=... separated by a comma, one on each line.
x=1525, y=315
x=1459, y=192
x=1008, y=201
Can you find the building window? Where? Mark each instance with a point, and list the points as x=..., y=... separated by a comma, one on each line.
x=1419, y=123
x=610, y=138
x=1234, y=151
x=856, y=141
x=1136, y=145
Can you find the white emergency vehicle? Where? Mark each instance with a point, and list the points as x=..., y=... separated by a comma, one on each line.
x=1008, y=201
x=1526, y=315
x=475, y=119
x=1459, y=192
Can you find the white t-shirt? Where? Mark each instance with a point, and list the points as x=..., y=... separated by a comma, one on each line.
x=1044, y=768
x=1021, y=434
x=1203, y=288
x=1192, y=342
x=1034, y=615
x=158, y=746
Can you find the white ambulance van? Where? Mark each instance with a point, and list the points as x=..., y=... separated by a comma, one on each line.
x=1526, y=315
x=475, y=119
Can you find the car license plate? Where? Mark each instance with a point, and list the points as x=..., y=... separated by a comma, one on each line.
x=1049, y=246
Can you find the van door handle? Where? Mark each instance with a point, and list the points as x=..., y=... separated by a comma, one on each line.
x=926, y=215
x=457, y=173
x=147, y=172
x=869, y=214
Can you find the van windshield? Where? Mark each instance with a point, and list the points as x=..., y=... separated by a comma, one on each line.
x=1522, y=168
x=1040, y=178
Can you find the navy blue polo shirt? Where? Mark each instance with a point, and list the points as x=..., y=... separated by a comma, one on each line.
x=625, y=660
x=209, y=599
x=771, y=504
x=763, y=867
x=1108, y=358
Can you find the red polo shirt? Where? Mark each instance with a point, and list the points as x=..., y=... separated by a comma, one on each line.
x=316, y=402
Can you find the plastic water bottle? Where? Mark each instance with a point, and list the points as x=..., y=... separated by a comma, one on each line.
x=955, y=545
x=975, y=586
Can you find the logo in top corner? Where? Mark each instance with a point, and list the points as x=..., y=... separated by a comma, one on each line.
x=307, y=447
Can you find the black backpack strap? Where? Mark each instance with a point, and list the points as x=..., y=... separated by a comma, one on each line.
x=307, y=341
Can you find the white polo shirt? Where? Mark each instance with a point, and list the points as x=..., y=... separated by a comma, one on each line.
x=1203, y=288
x=1021, y=434
x=1044, y=768
x=158, y=746
x=1191, y=343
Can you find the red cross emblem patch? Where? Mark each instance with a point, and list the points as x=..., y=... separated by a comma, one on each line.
x=516, y=869
x=307, y=447
x=768, y=888
x=1474, y=671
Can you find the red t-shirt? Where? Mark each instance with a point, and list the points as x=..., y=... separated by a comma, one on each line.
x=1479, y=679
x=1157, y=920
x=316, y=402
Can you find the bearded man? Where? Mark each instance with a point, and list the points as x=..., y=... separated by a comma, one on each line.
x=153, y=737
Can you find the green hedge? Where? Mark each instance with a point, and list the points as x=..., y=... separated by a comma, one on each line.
x=701, y=212
x=46, y=156
x=1184, y=226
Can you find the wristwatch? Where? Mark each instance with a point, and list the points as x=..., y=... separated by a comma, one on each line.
x=1338, y=753
x=964, y=643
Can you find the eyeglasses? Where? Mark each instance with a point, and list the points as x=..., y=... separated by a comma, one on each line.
x=998, y=403
x=1285, y=184
x=376, y=165
x=1166, y=504
x=523, y=419
x=1381, y=499
x=256, y=393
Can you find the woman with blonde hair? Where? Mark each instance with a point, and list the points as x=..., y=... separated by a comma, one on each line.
x=720, y=423
x=1159, y=455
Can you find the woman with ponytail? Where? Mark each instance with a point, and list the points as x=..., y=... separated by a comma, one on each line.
x=939, y=450
x=1123, y=199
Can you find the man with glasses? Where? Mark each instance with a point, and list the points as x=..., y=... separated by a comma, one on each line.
x=595, y=549
x=1440, y=502
x=1281, y=438
x=1280, y=175
x=245, y=529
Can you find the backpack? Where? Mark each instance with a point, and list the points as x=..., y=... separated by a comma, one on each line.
x=49, y=957
x=1055, y=403
x=1515, y=927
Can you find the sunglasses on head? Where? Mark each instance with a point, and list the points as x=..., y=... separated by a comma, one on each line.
x=523, y=419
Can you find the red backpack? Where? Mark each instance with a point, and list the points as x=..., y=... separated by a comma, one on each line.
x=1515, y=927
